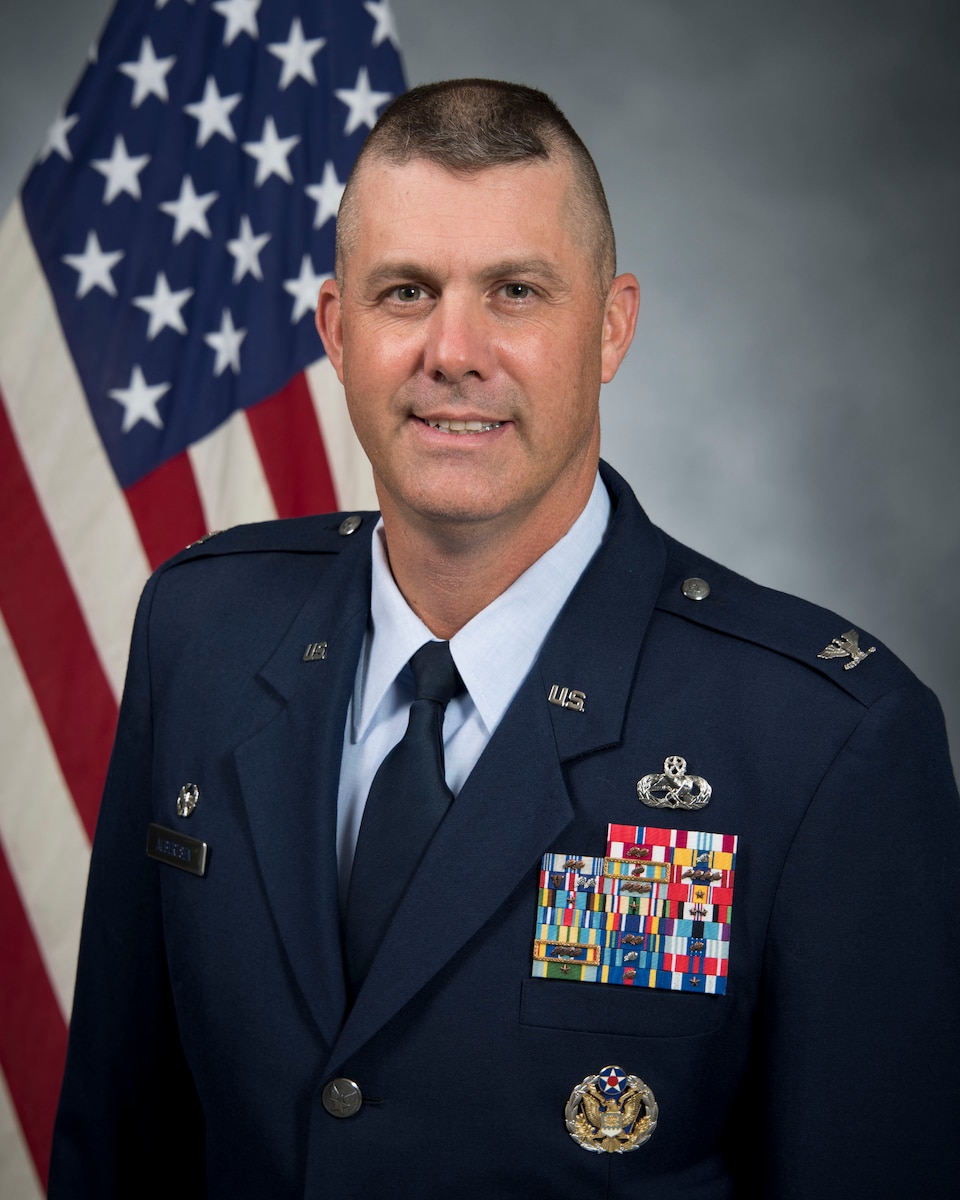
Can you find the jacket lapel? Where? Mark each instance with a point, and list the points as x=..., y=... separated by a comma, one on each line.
x=515, y=802
x=288, y=766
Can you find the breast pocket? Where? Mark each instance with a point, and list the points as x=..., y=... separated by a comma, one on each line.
x=607, y=1009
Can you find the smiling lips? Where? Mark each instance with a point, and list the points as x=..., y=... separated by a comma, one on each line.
x=462, y=426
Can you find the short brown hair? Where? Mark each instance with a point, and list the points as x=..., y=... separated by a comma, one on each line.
x=469, y=125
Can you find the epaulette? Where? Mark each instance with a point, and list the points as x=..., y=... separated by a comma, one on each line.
x=325, y=534
x=701, y=590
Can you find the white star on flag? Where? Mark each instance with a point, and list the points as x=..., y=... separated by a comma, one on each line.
x=94, y=265
x=227, y=343
x=271, y=154
x=362, y=101
x=57, y=137
x=121, y=171
x=241, y=17
x=189, y=211
x=245, y=248
x=139, y=401
x=296, y=54
x=386, y=22
x=305, y=289
x=327, y=194
x=149, y=74
x=164, y=307
x=213, y=113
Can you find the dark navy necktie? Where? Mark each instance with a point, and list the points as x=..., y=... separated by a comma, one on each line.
x=407, y=801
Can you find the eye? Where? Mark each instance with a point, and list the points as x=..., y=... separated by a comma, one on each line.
x=518, y=291
x=408, y=292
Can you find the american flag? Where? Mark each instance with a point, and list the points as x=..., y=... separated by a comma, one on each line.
x=160, y=377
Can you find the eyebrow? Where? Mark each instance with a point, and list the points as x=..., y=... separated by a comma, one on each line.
x=508, y=269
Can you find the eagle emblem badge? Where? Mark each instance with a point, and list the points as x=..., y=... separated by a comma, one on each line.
x=847, y=645
x=611, y=1112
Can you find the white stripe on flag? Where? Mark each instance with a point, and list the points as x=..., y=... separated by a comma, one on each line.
x=349, y=466
x=45, y=843
x=72, y=477
x=233, y=487
x=18, y=1178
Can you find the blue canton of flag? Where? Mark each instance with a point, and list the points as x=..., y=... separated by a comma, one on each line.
x=184, y=205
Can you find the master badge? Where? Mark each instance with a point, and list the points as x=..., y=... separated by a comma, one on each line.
x=674, y=788
x=611, y=1112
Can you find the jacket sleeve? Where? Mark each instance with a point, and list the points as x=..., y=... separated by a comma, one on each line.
x=129, y=1121
x=860, y=1031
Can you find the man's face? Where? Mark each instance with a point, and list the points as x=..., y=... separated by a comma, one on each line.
x=471, y=340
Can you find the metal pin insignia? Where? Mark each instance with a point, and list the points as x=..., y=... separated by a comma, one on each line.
x=847, y=645
x=674, y=788
x=611, y=1112
x=564, y=697
x=187, y=799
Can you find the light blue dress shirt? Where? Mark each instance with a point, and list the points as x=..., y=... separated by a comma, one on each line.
x=493, y=653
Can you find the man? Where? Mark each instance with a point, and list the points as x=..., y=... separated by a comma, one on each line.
x=685, y=927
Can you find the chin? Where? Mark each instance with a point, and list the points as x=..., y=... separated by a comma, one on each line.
x=450, y=506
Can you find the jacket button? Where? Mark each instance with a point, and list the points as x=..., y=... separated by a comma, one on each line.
x=342, y=1098
x=350, y=525
x=695, y=589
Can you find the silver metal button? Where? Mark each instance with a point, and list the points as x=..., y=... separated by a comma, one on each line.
x=342, y=1097
x=695, y=589
x=350, y=525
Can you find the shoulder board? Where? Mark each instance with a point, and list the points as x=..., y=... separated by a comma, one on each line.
x=326, y=534
x=844, y=653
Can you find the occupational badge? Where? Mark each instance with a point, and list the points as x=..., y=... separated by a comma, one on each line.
x=674, y=788
x=611, y=1112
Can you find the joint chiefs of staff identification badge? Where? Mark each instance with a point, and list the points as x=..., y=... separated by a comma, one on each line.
x=611, y=1112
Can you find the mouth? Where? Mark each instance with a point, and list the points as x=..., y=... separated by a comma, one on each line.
x=461, y=426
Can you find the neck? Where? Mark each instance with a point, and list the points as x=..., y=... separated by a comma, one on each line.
x=448, y=573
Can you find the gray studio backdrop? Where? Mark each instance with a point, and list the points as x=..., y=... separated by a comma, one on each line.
x=785, y=182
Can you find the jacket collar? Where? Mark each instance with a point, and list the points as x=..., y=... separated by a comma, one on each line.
x=288, y=766
x=572, y=703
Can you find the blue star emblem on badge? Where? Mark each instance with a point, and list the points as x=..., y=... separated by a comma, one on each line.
x=611, y=1081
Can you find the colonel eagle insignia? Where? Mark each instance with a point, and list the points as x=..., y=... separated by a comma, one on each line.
x=847, y=645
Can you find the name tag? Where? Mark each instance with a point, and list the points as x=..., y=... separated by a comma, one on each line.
x=177, y=850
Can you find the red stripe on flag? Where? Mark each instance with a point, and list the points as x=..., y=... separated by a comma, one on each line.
x=167, y=508
x=33, y=1035
x=291, y=448
x=51, y=636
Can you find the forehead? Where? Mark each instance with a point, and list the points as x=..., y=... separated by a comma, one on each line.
x=420, y=208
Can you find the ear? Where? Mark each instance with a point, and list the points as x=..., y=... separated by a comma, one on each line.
x=619, y=323
x=329, y=324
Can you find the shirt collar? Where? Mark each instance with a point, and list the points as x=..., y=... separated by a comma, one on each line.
x=493, y=651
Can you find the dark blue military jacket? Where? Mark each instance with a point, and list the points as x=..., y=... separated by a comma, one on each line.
x=210, y=1010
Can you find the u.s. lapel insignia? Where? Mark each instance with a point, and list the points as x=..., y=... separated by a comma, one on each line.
x=611, y=1112
x=847, y=645
x=674, y=788
x=566, y=697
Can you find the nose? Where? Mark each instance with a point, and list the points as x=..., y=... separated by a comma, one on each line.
x=458, y=340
